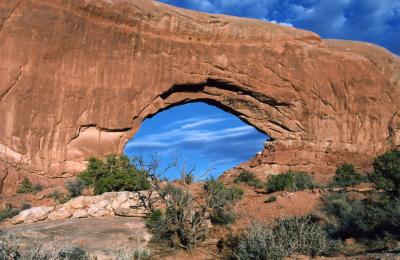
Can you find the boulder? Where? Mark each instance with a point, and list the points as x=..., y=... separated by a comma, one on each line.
x=61, y=213
x=80, y=213
x=32, y=215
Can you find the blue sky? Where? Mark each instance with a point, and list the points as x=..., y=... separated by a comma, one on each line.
x=207, y=137
x=202, y=136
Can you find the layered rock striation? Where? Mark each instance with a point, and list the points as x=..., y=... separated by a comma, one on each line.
x=77, y=78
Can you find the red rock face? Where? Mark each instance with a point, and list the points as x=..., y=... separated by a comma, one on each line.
x=77, y=77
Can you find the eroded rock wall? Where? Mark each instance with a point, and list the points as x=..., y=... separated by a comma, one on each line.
x=77, y=77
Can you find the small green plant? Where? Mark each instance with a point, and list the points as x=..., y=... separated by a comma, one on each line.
x=8, y=213
x=154, y=219
x=75, y=187
x=223, y=217
x=115, y=173
x=249, y=178
x=386, y=174
x=221, y=198
x=290, y=181
x=25, y=206
x=73, y=253
x=286, y=237
x=371, y=221
x=141, y=253
x=26, y=186
x=270, y=199
x=346, y=175
x=184, y=223
x=59, y=197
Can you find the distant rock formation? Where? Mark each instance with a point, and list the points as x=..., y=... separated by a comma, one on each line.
x=77, y=78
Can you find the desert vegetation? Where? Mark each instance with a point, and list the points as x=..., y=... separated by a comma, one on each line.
x=11, y=249
x=346, y=175
x=8, y=212
x=115, y=173
x=249, y=178
x=289, y=181
x=371, y=220
x=27, y=186
x=284, y=237
x=185, y=221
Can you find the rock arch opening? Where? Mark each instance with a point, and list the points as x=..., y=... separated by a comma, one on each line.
x=200, y=134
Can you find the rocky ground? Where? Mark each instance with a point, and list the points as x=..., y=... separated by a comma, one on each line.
x=98, y=235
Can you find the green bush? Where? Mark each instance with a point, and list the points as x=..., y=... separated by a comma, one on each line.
x=347, y=176
x=59, y=197
x=222, y=217
x=365, y=220
x=154, y=219
x=290, y=181
x=27, y=187
x=25, y=206
x=249, y=178
x=386, y=174
x=286, y=237
x=184, y=223
x=8, y=213
x=116, y=173
x=221, y=198
x=75, y=187
x=270, y=199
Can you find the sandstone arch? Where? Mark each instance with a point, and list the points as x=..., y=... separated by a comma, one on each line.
x=77, y=77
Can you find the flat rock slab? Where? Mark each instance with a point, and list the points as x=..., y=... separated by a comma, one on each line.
x=94, y=234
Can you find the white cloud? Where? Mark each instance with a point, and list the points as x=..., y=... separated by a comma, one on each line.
x=178, y=137
x=203, y=122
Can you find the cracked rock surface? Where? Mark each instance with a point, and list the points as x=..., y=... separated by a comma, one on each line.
x=78, y=77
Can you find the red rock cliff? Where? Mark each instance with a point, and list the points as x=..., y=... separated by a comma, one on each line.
x=77, y=77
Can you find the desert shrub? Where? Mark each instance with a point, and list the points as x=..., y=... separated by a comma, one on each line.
x=270, y=199
x=184, y=224
x=219, y=195
x=58, y=197
x=249, y=178
x=188, y=178
x=75, y=187
x=25, y=206
x=185, y=221
x=8, y=213
x=141, y=253
x=26, y=186
x=346, y=176
x=129, y=253
x=222, y=217
x=296, y=235
x=228, y=243
x=154, y=219
x=365, y=220
x=10, y=249
x=73, y=253
x=386, y=174
x=115, y=173
x=290, y=181
x=220, y=198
